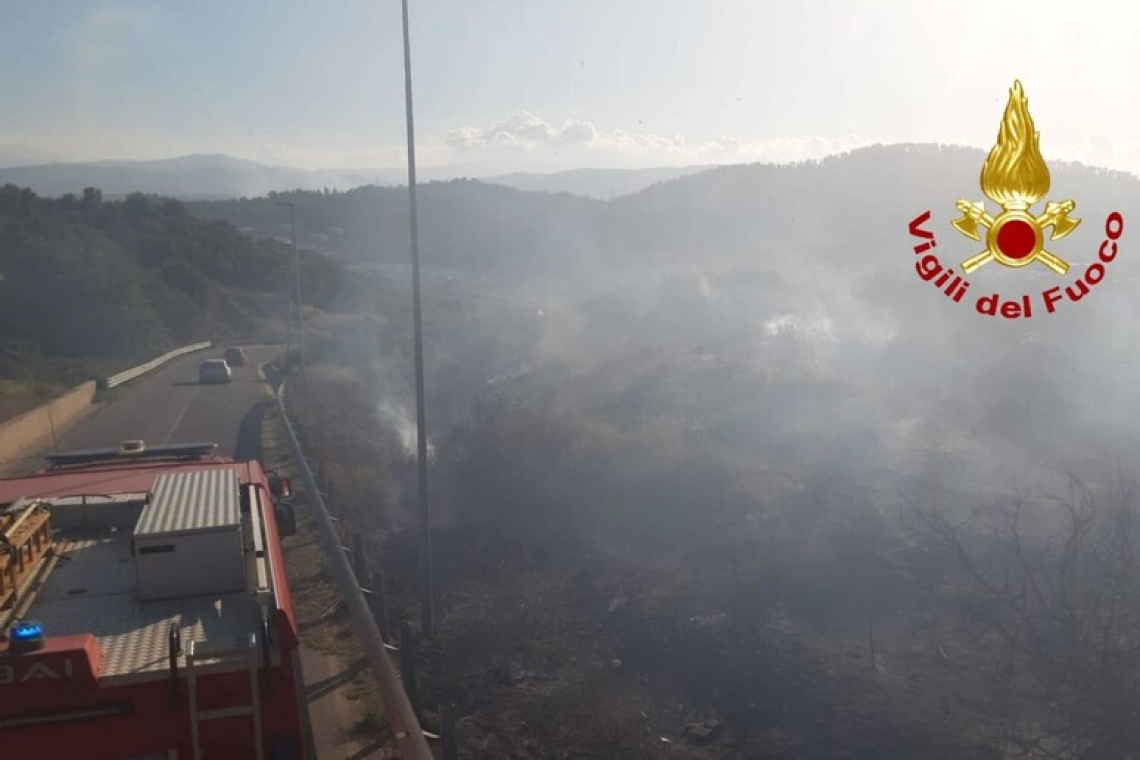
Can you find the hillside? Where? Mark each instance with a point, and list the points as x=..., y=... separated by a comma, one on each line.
x=466, y=224
x=729, y=252
x=221, y=177
x=602, y=184
x=89, y=284
x=675, y=505
x=850, y=210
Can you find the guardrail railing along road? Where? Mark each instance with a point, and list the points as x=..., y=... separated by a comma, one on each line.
x=401, y=715
x=130, y=374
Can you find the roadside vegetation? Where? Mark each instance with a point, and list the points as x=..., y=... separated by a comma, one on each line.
x=88, y=287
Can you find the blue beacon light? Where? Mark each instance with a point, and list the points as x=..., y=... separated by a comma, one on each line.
x=27, y=635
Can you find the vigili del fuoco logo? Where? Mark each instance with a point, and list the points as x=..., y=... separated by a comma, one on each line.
x=1014, y=177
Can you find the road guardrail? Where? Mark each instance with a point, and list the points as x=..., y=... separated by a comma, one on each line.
x=401, y=715
x=130, y=374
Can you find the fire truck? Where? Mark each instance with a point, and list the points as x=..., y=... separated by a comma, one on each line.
x=144, y=609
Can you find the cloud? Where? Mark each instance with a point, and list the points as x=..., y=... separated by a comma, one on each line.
x=525, y=130
x=522, y=129
x=524, y=141
x=524, y=135
x=578, y=131
x=1098, y=150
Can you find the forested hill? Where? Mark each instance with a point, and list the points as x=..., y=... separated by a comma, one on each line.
x=88, y=283
x=467, y=224
x=722, y=258
x=847, y=209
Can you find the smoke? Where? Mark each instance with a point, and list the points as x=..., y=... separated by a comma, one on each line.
x=396, y=415
x=685, y=309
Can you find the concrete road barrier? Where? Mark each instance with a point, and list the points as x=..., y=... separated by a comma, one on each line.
x=34, y=429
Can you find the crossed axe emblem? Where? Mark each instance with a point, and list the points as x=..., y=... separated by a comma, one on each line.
x=1011, y=228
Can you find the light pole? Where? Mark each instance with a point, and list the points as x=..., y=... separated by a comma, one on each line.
x=297, y=278
x=427, y=581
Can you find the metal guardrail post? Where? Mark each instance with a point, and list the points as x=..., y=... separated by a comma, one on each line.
x=408, y=667
x=404, y=720
x=358, y=564
x=377, y=601
x=447, y=733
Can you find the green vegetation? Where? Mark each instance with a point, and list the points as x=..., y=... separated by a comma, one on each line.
x=88, y=286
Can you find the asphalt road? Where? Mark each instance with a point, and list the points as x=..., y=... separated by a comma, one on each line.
x=169, y=406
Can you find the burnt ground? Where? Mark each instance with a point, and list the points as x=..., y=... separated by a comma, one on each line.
x=605, y=650
x=556, y=666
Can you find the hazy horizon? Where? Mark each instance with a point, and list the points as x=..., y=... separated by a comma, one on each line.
x=523, y=88
x=488, y=169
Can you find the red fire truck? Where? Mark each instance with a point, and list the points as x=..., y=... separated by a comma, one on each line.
x=144, y=609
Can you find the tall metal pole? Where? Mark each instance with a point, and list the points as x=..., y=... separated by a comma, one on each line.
x=427, y=583
x=297, y=279
x=288, y=323
x=300, y=303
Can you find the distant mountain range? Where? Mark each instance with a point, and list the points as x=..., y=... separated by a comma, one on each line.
x=198, y=177
x=220, y=177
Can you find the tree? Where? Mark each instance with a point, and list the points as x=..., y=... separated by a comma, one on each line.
x=75, y=293
x=1060, y=586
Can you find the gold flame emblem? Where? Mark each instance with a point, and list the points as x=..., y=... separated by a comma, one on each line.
x=1015, y=177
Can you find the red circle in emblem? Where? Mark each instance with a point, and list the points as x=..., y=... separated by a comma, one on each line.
x=1017, y=239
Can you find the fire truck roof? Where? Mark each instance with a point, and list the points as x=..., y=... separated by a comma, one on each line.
x=95, y=591
x=107, y=479
x=127, y=586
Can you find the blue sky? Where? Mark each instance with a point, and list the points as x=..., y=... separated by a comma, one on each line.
x=548, y=84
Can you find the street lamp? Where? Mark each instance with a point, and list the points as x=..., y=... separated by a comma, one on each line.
x=427, y=572
x=297, y=278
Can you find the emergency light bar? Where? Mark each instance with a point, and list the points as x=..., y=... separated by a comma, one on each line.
x=133, y=451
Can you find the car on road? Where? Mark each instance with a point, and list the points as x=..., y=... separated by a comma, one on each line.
x=215, y=371
x=236, y=356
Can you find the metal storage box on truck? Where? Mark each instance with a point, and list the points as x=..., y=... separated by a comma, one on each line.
x=188, y=540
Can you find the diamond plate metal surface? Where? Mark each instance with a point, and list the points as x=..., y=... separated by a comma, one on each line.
x=93, y=590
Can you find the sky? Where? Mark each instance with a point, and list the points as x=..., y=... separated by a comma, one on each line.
x=543, y=85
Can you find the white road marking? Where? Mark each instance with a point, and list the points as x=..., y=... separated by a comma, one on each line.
x=178, y=420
